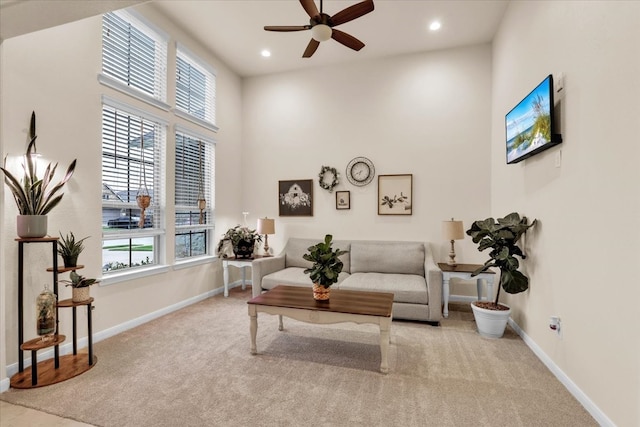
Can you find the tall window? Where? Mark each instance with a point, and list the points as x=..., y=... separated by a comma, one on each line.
x=194, y=194
x=131, y=167
x=195, y=89
x=133, y=56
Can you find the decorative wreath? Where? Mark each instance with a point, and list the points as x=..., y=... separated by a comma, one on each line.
x=334, y=182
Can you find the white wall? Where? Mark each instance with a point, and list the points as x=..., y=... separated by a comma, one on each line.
x=585, y=251
x=54, y=72
x=426, y=114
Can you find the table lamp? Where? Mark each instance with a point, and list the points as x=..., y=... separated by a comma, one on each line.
x=452, y=230
x=266, y=226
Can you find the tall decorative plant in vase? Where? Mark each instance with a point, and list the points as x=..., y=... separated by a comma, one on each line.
x=35, y=196
x=326, y=267
x=501, y=236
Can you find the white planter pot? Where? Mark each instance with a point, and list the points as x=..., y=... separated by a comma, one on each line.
x=30, y=226
x=491, y=323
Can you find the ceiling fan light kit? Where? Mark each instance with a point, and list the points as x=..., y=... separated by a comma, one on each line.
x=321, y=32
x=321, y=25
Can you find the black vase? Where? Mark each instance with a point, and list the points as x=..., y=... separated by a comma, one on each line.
x=244, y=249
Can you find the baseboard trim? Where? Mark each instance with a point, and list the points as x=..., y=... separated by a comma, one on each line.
x=67, y=348
x=580, y=396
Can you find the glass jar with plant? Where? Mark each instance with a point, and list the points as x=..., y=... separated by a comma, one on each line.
x=35, y=195
x=69, y=249
x=326, y=267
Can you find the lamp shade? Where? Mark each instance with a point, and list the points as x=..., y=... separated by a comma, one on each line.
x=266, y=226
x=453, y=230
x=321, y=32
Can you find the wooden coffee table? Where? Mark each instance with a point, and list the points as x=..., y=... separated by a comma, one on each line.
x=344, y=306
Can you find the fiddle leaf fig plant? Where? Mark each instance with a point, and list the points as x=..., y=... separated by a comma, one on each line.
x=35, y=195
x=326, y=265
x=501, y=236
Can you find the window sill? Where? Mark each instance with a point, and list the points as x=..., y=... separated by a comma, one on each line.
x=125, y=276
x=114, y=84
x=192, y=262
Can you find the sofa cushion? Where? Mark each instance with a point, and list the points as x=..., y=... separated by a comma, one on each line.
x=295, y=248
x=293, y=276
x=407, y=288
x=387, y=257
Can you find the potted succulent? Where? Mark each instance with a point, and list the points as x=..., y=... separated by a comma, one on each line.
x=325, y=269
x=35, y=195
x=79, y=286
x=242, y=240
x=502, y=237
x=69, y=248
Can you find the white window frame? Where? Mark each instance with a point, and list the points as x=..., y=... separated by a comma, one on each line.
x=208, y=192
x=209, y=120
x=157, y=231
x=161, y=40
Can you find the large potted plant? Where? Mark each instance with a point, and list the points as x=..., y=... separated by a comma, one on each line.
x=501, y=236
x=242, y=240
x=35, y=195
x=325, y=269
x=69, y=249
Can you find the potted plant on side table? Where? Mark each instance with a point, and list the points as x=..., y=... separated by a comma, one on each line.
x=502, y=237
x=35, y=196
x=325, y=269
x=242, y=240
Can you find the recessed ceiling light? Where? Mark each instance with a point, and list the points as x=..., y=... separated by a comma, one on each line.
x=435, y=26
x=265, y=53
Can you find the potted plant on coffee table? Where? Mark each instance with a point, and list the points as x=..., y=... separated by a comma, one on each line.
x=325, y=269
x=35, y=195
x=69, y=249
x=79, y=286
x=501, y=236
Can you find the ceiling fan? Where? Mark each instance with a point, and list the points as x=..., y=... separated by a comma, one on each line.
x=321, y=25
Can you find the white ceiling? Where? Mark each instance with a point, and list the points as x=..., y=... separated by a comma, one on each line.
x=233, y=29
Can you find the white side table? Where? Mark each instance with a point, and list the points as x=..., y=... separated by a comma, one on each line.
x=241, y=263
x=463, y=271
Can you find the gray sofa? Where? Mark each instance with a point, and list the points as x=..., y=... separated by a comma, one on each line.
x=406, y=269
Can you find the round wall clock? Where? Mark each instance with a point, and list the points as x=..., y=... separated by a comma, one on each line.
x=360, y=171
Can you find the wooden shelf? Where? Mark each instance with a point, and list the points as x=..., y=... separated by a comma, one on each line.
x=39, y=343
x=70, y=366
x=36, y=239
x=65, y=269
x=70, y=303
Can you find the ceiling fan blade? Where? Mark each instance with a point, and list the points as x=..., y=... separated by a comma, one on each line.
x=352, y=12
x=310, y=7
x=346, y=39
x=311, y=48
x=287, y=28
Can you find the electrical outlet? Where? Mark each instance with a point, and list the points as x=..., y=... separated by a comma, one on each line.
x=555, y=324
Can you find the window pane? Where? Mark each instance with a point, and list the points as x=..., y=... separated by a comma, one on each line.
x=119, y=254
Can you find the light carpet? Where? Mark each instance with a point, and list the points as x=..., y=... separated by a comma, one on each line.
x=193, y=368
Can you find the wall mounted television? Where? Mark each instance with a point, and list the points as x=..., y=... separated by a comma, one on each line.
x=530, y=124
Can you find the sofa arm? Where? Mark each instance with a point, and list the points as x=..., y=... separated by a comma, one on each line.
x=433, y=274
x=261, y=267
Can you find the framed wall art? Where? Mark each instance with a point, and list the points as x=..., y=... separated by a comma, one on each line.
x=395, y=194
x=343, y=200
x=295, y=198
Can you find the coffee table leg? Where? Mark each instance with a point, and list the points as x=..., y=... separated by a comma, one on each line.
x=253, y=328
x=280, y=324
x=384, y=346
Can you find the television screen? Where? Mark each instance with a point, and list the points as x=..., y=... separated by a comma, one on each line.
x=530, y=124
